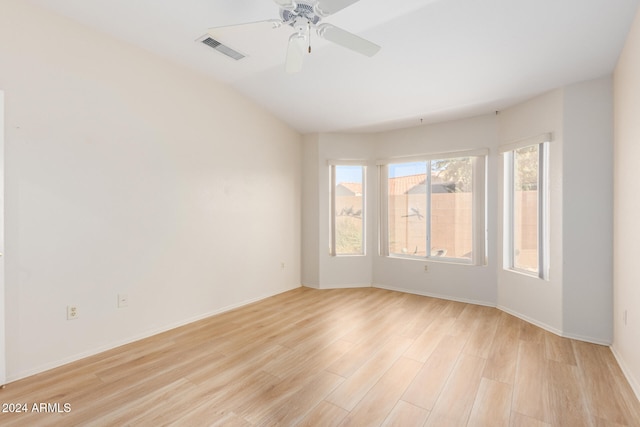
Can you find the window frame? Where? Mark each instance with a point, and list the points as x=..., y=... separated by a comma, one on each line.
x=507, y=151
x=479, y=159
x=333, y=164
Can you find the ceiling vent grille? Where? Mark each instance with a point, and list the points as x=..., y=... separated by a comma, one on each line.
x=225, y=50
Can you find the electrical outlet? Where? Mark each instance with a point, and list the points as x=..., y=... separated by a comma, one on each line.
x=72, y=312
x=282, y=265
x=426, y=268
x=123, y=300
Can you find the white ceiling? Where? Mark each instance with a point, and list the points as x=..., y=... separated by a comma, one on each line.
x=440, y=59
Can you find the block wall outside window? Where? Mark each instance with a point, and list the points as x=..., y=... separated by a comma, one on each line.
x=526, y=208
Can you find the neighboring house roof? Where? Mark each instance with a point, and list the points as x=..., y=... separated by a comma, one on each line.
x=403, y=184
x=352, y=188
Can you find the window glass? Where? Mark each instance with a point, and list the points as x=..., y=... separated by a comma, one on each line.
x=348, y=220
x=430, y=209
x=526, y=208
x=407, y=209
x=452, y=208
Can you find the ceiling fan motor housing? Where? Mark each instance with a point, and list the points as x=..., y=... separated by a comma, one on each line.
x=304, y=12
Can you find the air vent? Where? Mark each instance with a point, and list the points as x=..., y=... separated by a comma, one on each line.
x=226, y=50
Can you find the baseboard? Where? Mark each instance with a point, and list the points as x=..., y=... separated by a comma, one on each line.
x=311, y=286
x=349, y=286
x=633, y=382
x=551, y=329
x=530, y=320
x=434, y=295
x=146, y=334
x=587, y=339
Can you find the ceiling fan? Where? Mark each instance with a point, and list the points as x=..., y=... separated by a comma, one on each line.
x=306, y=15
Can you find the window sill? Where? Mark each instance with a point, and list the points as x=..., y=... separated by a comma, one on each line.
x=525, y=273
x=437, y=260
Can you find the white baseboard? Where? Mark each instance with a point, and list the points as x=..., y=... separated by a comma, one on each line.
x=530, y=320
x=311, y=286
x=349, y=286
x=552, y=329
x=587, y=339
x=434, y=295
x=633, y=382
x=129, y=340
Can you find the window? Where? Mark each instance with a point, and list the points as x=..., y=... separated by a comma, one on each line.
x=525, y=166
x=434, y=208
x=348, y=208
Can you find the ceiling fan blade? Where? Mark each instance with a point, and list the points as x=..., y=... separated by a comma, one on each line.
x=251, y=26
x=329, y=7
x=285, y=4
x=347, y=39
x=295, y=53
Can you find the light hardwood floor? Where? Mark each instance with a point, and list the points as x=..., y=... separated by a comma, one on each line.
x=358, y=357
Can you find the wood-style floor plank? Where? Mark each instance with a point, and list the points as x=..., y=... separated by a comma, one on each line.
x=357, y=385
x=430, y=380
x=324, y=414
x=378, y=403
x=530, y=392
x=567, y=400
x=492, y=405
x=406, y=415
x=604, y=402
x=503, y=355
x=519, y=420
x=559, y=349
x=363, y=357
x=459, y=393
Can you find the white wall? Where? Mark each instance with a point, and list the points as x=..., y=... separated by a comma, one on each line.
x=454, y=281
x=626, y=246
x=127, y=174
x=587, y=226
x=310, y=212
x=538, y=301
x=345, y=271
x=576, y=300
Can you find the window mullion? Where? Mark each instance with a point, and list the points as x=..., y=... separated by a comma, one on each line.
x=364, y=209
x=512, y=202
x=383, y=221
x=542, y=203
x=428, y=209
x=332, y=249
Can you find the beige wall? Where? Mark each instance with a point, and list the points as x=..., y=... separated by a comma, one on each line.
x=126, y=173
x=626, y=246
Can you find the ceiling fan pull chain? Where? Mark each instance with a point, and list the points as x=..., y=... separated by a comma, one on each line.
x=309, y=32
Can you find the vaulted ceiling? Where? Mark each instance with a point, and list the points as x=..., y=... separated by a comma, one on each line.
x=440, y=59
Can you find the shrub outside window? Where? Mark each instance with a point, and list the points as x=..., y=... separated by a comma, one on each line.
x=348, y=209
